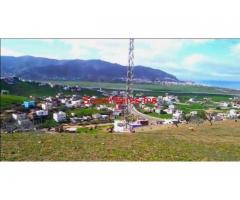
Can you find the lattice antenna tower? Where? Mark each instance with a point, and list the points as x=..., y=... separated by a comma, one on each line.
x=129, y=89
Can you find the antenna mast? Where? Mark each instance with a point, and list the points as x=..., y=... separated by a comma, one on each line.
x=129, y=90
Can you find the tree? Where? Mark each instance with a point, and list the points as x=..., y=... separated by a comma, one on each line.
x=209, y=117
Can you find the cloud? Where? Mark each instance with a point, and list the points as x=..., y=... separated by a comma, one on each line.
x=185, y=58
x=236, y=49
x=150, y=52
x=112, y=50
x=9, y=52
x=194, y=59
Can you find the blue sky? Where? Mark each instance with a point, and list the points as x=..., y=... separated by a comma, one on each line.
x=188, y=59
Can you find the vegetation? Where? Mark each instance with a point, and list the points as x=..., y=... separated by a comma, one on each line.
x=49, y=123
x=34, y=89
x=162, y=116
x=191, y=89
x=155, y=143
x=84, y=130
x=7, y=101
x=79, y=112
x=191, y=107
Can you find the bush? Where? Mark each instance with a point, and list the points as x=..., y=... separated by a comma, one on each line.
x=163, y=112
x=50, y=123
x=85, y=111
x=201, y=114
x=87, y=130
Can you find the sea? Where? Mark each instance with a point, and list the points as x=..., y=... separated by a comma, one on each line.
x=222, y=84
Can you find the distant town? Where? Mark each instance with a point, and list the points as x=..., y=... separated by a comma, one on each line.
x=71, y=112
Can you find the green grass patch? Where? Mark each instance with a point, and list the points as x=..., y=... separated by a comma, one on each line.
x=156, y=88
x=34, y=89
x=86, y=130
x=7, y=101
x=162, y=116
x=49, y=123
x=79, y=112
x=191, y=107
x=205, y=143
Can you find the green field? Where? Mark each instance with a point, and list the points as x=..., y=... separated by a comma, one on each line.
x=33, y=89
x=7, y=101
x=161, y=143
x=161, y=116
x=152, y=87
x=184, y=92
x=191, y=107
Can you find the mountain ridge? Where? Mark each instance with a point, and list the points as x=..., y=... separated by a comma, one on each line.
x=41, y=68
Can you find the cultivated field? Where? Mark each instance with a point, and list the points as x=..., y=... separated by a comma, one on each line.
x=220, y=142
x=152, y=88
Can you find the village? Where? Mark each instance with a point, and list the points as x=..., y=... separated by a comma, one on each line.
x=70, y=113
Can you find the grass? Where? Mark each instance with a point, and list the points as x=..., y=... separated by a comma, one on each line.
x=49, y=123
x=145, y=86
x=191, y=107
x=79, y=112
x=7, y=101
x=33, y=89
x=161, y=116
x=162, y=143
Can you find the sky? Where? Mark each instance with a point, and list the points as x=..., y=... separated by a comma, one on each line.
x=188, y=59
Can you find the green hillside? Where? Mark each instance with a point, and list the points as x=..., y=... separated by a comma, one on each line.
x=7, y=101
x=33, y=89
x=160, y=143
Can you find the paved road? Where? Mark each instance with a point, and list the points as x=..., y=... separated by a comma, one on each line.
x=137, y=113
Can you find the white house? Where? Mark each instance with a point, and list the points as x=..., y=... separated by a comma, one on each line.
x=76, y=103
x=63, y=101
x=102, y=106
x=169, y=111
x=19, y=116
x=171, y=107
x=96, y=116
x=191, y=100
x=223, y=104
x=42, y=113
x=233, y=114
x=193, y=113
x=120, y=126
x=117, y=112
x=147, y=109
x=60, y=116
x=46, y=106
x=158, y=110
x=177, y=115
x=104, y=117
x=71, y=104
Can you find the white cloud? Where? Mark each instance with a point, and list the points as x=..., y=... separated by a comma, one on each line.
x=116, y=50
x=149, y=52
x=236, y=49
x=112, y=50
x=9, y=52
x=194, y=59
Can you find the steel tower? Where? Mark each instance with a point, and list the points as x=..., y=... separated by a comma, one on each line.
x=129, y=90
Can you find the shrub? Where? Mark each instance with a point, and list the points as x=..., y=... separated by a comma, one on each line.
x=163, y=112
x=87, y=130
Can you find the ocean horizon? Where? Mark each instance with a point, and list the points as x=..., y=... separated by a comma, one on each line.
x=222, y=84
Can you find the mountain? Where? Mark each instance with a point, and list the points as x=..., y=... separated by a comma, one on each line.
x=37, y=68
